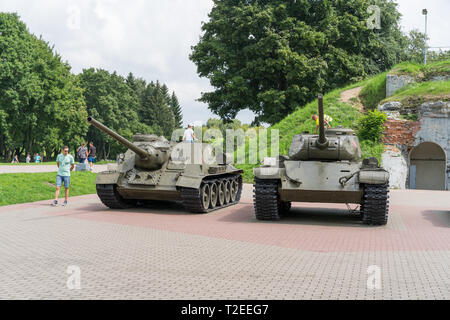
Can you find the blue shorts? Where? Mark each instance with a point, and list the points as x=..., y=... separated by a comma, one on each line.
x=82, y=160
x=61, y=179
x=91, y=160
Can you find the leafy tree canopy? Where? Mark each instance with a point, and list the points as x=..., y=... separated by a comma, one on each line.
x=274, y=56
x=41, y=102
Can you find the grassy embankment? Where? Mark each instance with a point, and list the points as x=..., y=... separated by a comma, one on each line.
x=29, y=187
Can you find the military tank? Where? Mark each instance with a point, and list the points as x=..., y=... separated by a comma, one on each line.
x=155, y=169
x=325, y=168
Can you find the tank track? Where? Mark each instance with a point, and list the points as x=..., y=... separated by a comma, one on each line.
x=112, y=199
x=375, y=204
x=192, y=198
x=266, y=200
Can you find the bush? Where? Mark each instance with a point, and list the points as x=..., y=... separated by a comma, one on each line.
x=371, y=126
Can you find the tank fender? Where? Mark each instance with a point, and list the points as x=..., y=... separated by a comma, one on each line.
x=268, y=172
x=107, y=177
x=373, y=176
x=189, y=182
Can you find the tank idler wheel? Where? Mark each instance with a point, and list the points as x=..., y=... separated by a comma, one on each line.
x=214, y=192
x=111, y=198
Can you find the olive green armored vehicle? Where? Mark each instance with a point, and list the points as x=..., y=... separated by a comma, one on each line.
x=324, y=168
x=155, y=169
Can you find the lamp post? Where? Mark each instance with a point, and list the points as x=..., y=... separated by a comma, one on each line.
x=425, y=13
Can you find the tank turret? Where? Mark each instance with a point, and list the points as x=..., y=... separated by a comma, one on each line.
x=331, y=144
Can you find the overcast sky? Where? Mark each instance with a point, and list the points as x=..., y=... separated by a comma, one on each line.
x=153, y=38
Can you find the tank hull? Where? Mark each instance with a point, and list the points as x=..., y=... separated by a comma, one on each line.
x=317, y=181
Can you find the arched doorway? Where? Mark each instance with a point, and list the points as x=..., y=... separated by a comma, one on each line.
x=427, y=167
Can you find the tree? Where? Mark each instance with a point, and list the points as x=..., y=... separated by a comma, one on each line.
x=416, y=45
x=176, y=110
x=42, y=107
x=274, y=56
x=111, y=100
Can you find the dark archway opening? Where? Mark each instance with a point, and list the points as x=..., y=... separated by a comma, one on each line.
x=427, y=167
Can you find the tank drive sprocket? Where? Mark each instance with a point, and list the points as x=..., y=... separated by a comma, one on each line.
x=213, y=194
x=375, y=204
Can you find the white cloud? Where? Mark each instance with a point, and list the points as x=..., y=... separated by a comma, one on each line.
x=153, y=38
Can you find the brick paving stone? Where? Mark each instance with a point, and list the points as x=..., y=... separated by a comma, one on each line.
x=318, y=252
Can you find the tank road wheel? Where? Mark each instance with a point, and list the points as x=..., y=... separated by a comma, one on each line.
x=234, y=185
x=227, y=190
x=214, y=192
x=111, y=198
x=375, y=204
x=206, y=196
x=221, y=193
x=266, y=200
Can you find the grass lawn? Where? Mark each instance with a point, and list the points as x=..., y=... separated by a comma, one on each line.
x=29, y=187
x=28, y=164
x=50, y=163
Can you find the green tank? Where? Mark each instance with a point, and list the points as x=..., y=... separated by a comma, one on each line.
x=155, y=169
x=325, y=168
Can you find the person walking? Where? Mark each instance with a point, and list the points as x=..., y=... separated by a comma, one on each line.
x=15, y=159
x=65, y=164
x=37, y=158
x=92, y=154
x=28, y=158
x=82, y=153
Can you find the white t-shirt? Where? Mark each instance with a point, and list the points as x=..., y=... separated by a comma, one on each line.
x=189, y=135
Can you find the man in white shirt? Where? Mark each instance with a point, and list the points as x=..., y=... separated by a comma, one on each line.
x=189, y=134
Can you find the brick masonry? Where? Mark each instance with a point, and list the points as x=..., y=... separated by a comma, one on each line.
x=401, y=132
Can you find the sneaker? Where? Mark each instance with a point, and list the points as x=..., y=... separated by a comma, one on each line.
x=64, y=204
x=55, y=203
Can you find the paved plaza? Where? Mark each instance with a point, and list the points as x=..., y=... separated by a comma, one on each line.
x=318, y=251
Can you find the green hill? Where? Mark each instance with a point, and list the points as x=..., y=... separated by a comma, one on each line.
x=347, y=113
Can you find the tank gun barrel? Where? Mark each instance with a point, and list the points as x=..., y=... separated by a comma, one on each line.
x=140, y=152
x=322, y=142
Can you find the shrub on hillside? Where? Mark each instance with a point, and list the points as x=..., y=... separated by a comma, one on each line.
x=371, y=126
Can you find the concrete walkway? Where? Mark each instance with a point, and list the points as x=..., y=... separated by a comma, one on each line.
x=318, y=251
x=41, y=168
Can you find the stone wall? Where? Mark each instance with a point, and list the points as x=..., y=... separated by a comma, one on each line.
x=395, y=82
x=403, y=136
x=435, y=127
